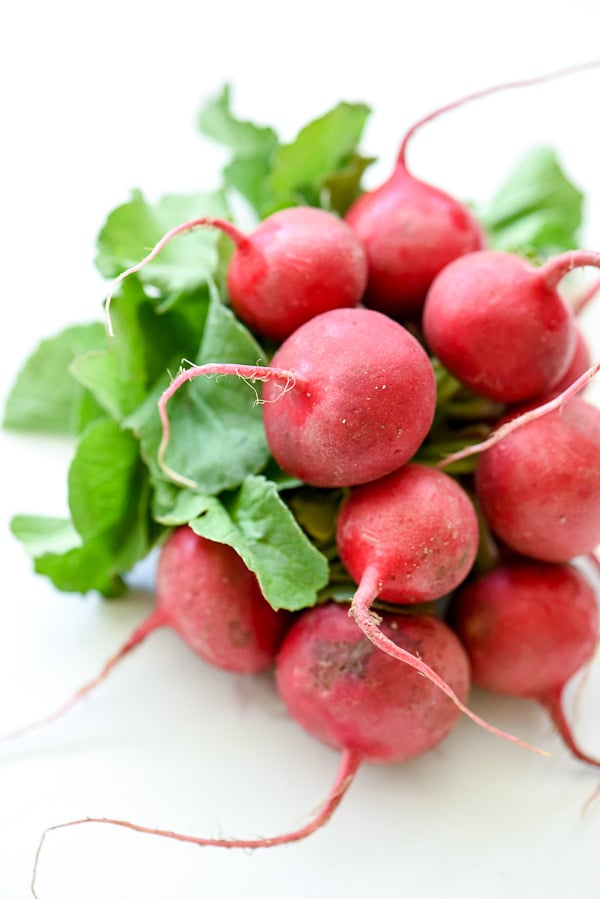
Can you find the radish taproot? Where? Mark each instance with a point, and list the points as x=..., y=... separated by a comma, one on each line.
x=528, y=627
x=349, y=695
x=585, y=297
x=297, y=263
x=411, y=230
x=205, y=592
x=348, y=398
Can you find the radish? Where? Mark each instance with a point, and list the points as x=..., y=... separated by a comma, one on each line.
x=354, y=698
x=297, y=263
x=345, y=692
x=410, y=537
x=349, y=397
x=205, y=592
x=528, y=627
x=411, y=230
x=500, y=326
x=539, y=487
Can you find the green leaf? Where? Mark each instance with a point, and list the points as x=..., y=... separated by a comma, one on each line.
x=82, y=570
x=110, y=530
x=319, y=168
x=320, y=149
x=251, y=178
x=537, y=210
x=147, y=341
x=343, y=187
x=134, y=228
x=217, y=434
x=260, y=527
x=243, y=138
x=40, y=534
x=60, y=555
x=104, y=481
x=252, y=148
x=45, y=396
x=317, y=510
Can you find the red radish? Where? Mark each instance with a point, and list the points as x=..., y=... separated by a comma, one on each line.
x=412, y=535
x=297, y=263
x=408, y=538
x=205, y=592
x=356, y=699
x=346, y=693
x=539, y=487
x=367, y=404
x=500, y=326
x=349, y=397
x=411, y=230
x=528, y=627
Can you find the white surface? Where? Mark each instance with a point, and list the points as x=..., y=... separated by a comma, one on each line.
x=99, y=98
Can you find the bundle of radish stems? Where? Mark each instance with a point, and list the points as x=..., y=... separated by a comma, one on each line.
x=379, y=320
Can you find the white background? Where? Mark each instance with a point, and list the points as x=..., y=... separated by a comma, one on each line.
x=99, y=98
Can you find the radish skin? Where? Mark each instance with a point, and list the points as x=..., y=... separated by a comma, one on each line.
x=410, y=231
x=539, y=487
x=581, y=363
x=499, y=325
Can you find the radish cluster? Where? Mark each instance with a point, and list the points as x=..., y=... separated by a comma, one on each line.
x=365, y=315
x=349, y=402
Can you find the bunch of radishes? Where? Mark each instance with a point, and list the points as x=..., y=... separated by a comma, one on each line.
x=368, y=315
